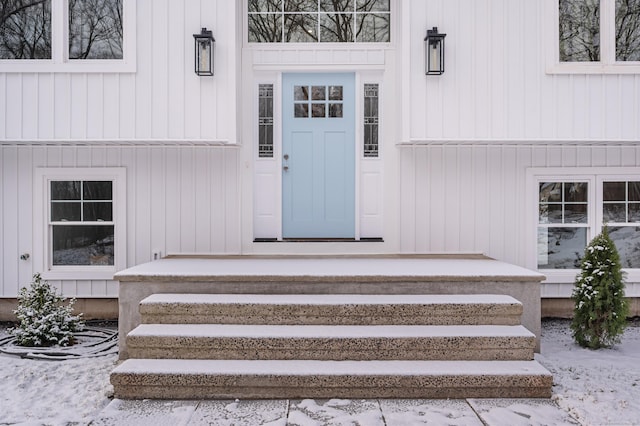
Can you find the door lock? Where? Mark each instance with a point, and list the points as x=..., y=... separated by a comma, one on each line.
x=285, y=166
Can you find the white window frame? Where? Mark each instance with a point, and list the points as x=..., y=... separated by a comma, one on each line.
x=393, y=36
x=594, y=177
x=607, y=63
x=60, y=61
x=42, y=228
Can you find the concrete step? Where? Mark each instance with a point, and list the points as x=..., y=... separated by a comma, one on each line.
x=229, y=379
x=322, y=342
x=331, y=309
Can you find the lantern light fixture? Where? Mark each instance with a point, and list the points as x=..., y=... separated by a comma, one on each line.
x=434, y=52
x=204, y=43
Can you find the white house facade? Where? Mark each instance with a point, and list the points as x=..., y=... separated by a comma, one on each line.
x=319, y=132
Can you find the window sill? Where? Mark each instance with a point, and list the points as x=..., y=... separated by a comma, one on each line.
x=83, y=66
x=81, y=273
x=565, y=276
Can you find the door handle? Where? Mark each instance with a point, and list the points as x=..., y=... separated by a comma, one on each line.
x=285, y=166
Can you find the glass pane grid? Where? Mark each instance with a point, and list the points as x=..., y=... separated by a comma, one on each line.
x=265, y=121
x=370, y=149
x=621, y=205
x=308, y=21
x=318, y=102
x=81, y=202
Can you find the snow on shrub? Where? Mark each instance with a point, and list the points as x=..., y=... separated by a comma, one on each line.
x=600, y=312
x=43, y=319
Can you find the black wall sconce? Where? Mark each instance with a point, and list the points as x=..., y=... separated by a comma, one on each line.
x=434, y=52
x=204, y=43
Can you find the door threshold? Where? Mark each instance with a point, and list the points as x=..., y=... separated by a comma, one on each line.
x=318, y=240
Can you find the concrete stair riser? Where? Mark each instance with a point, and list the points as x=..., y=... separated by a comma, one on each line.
x=372, y=310
x=516, y=380
x=331, y=342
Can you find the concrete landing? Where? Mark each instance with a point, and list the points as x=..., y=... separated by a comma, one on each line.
x=337, y=275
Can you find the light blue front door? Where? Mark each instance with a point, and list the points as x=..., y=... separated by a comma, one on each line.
x=318, y=148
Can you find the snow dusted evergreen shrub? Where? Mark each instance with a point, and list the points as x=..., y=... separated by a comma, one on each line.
x=43, y=319
x=600, y=312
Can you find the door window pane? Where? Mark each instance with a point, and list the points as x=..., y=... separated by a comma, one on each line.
x=301, y=110
x=335, y=110
x=301, y=93
x=335, y=93
x=318, y=93
x=318, y=110
x=579, y=30
x=25, y=29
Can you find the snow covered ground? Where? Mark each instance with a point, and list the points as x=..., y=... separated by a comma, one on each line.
x=591, y=388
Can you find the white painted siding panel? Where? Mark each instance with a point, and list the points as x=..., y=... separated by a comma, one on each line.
x=162, y=100
x=178, y=200
x=476, y=194
x=495, y=86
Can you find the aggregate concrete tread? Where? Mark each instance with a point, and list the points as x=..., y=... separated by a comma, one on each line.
x=214, y=341
x=209, y=379
x=331, y=309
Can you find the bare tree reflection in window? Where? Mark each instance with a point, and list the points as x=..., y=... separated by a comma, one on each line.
x=628, y=30
x=305, y=21
x=95, y=29
x=265, y=28
x=579, y=26
x=25, y=29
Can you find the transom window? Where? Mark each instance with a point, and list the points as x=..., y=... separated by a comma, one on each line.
x=604, y=31
x=310, y=21
x=318, y=101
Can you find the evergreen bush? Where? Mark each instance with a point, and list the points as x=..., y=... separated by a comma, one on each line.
x=43, y=318
x=600, y=312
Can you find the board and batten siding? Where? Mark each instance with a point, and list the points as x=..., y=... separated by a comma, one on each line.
x=162, y=100
x=496, y=86
x=473, y=198
x=180, y=199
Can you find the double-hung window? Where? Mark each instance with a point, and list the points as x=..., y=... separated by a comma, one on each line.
x=67, y=35
x=596, y=36
x=573, y=209
x=82, y=224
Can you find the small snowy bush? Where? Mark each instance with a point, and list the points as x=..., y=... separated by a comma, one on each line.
x=600, y=312
x=43, y=319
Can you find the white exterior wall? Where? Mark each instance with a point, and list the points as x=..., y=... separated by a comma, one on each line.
x=454, y=149
x=163, y=100
x=495, y=87
x=180, y=199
